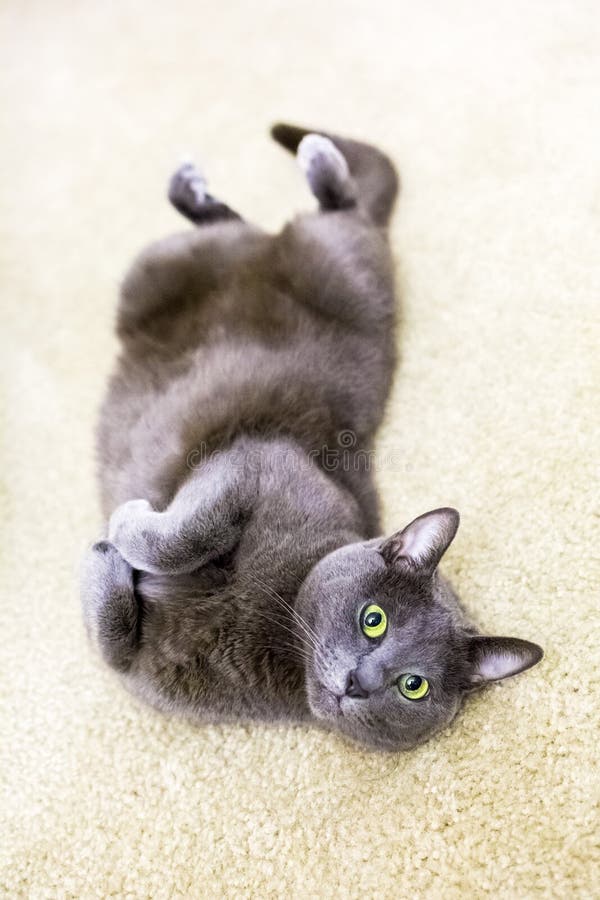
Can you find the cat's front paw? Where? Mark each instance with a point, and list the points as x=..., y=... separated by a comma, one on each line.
x=127, y=516
x=104, y=574
x=128, y=527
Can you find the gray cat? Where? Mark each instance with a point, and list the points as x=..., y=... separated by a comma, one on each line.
x=249, y=581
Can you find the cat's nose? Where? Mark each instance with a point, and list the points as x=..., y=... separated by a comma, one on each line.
x=354, y=688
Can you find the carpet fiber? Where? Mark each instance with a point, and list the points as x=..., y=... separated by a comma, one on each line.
x=490, y=111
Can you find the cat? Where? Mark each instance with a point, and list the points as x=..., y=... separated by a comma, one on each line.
x=244, y=576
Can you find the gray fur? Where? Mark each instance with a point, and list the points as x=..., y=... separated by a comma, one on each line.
x=233, y=447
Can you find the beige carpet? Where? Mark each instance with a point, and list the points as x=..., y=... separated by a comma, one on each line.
x=491, y=111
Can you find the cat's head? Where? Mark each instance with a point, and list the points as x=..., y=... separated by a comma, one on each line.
x=391, y=654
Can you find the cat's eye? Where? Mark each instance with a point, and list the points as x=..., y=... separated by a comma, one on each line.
x=373, y=621
x=413, y=687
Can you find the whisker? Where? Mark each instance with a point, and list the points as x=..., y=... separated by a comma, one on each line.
x=296, y=615
x=286, y=606
x=290, y=652
x=273, y=619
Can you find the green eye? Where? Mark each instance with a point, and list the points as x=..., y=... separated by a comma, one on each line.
x=373, y=621
x=413, y=687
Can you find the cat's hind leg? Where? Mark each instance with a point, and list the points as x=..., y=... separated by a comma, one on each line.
x=187, y=266
x=110, y=607
x=342, y=172
x=188, y=194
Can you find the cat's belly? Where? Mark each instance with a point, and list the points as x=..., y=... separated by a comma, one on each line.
x=151, y=438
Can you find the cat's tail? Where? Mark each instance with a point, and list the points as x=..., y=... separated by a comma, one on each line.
x=372, y=172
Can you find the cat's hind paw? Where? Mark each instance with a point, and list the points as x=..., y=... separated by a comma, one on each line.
x=188, y=194
x=188, y=189
x=326, y=171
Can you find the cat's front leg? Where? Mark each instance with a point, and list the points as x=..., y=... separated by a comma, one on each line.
x=110, y=607
x=168, y=542
x=203, y=521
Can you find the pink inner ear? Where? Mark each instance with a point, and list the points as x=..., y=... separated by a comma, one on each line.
x=421, y=539
x=424, y=541
x=499, y=665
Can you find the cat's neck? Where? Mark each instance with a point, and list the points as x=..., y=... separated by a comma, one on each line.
x=301, y=516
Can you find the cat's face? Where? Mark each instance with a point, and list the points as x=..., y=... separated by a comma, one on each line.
x=391, y=655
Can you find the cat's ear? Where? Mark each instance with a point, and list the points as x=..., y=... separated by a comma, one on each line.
x=420, y=546
x=493, y=658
